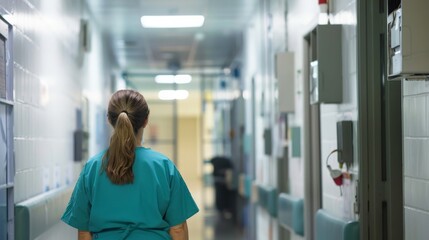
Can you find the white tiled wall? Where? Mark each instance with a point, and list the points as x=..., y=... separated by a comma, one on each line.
x=302, y=18
x=48, y=86
x=416, y=163
x=263, y=37
x=252, y=62
x=258, y=53
x=344, y=13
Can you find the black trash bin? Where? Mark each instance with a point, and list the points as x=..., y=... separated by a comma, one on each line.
x=224, y=197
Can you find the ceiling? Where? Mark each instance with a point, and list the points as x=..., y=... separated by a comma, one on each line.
x=136, y=49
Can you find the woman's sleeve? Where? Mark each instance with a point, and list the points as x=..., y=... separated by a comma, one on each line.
x=181, y=206
x=78, y=209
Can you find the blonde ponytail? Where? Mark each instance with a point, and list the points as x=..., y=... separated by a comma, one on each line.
x=127, y=113
x=119, y=168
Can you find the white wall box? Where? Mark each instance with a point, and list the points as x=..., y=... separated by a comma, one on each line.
x=408, y=38
x=285, y=74
x=326, y=75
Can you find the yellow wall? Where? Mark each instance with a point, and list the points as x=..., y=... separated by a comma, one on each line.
x=189, y=148
x=189, y=142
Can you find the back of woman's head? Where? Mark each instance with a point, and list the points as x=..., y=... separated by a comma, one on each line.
x=127, y=113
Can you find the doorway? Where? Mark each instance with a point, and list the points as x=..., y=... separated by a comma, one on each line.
x=312, y=148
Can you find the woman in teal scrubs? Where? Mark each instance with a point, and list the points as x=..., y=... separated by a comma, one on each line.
x=129, y=191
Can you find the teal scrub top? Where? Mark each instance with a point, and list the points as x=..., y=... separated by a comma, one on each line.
x=157, y=199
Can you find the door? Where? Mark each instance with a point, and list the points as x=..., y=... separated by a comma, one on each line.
x=161, y=131
x=6, y=133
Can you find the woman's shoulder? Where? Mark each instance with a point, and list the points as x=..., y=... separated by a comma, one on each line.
x=97, y=157
x=95, y=160
x=154, y=157
x=153, y=154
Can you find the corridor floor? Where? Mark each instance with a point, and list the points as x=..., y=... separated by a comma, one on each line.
x=208, y=224
x=219, y=228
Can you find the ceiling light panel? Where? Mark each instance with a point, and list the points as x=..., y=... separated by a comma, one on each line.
x=179, y=79
x=173, y=94
x=173, y=21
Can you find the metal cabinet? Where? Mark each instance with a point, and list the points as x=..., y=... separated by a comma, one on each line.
x=285, y=74
x=326, y=75
x=408, y=38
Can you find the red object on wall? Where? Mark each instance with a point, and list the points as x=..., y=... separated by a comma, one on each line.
x=323, y=2
x=338, y=180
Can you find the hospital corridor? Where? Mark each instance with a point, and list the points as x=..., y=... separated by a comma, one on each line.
x=214, y=119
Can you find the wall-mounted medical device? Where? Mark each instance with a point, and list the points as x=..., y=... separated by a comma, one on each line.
x=268, y=141
x=285, y=74
x=295, y=137
x=81, y=145
x=80, y=137
x=326, y=75
x=344, y=151
x=345, y=143
x=408, y=38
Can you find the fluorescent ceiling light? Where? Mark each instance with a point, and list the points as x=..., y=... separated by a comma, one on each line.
x=173, y=94
x=178, y=21
x=179, y=79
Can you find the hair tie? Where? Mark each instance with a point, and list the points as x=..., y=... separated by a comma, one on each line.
x=125, y=112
